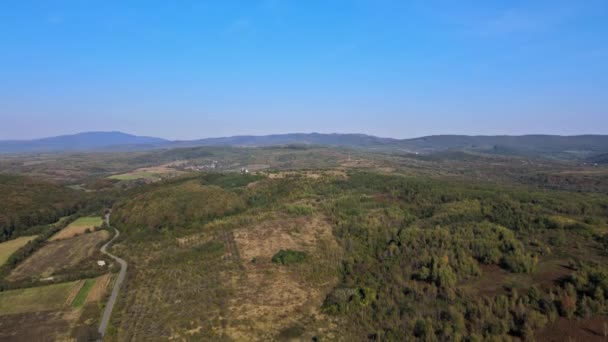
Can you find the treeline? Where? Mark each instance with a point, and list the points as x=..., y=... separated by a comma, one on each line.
x=29, y=248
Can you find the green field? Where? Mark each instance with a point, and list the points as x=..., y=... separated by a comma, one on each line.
x=134, y=175
x=9, y=247
x=87, y=220
x=43, y=298
x=60, y=221
x=83, y=293
x=78, y=227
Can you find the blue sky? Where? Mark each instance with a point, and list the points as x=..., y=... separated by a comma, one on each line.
x=192, y=69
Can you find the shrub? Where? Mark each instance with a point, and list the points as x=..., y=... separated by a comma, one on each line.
x=298, y=210
x=289, y=256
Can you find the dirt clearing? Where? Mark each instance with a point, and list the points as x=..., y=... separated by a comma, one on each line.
x=591, y=329
x=272, y=297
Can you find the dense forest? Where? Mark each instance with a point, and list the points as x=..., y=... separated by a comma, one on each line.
x=27, y=203
x=420, y=258
x=414, y=246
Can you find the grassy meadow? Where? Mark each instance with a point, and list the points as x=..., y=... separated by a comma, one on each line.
x=7, y=248
x=35, y=299
x=83, y=293
x=78, y=227
x=135, y=175
x=56, y=258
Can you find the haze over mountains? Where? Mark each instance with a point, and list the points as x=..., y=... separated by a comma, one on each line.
x=87, y=141
x=581, y=146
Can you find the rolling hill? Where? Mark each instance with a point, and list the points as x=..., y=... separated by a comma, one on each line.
x=88, y=141
x=333, y=139
x=28, y=202
x=554, y=146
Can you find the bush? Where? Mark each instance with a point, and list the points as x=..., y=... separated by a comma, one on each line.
x=287, y=257
x=298, y=210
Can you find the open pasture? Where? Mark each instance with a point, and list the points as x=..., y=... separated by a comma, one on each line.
x=147, y=173
x=9, y=247
x=135, y=175
x=35, y=299
x=83, y=293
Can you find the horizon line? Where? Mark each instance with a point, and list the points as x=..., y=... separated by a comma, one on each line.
x=301, y=133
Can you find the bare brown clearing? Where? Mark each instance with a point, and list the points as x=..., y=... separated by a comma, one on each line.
x=591, y=329
x=38, y=326
x=494, y=280
x=270, y=297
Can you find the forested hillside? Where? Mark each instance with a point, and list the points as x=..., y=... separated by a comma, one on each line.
x=27, y=202
x=357, y=256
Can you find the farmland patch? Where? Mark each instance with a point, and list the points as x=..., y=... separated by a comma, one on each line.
x=42, y=298
x=83, y=292
x=7, y=248
x=34, y=326
x=155, y=173
x=99, y=288
x=78, y=227
x=58, y=255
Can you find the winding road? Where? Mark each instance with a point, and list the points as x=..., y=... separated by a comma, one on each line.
x=105, y=319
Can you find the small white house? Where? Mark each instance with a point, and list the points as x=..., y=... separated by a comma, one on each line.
x=101, y=263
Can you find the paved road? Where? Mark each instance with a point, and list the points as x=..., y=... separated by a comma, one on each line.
x=121, y=277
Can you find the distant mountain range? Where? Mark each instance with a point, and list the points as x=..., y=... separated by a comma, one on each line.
x=88, y=141
x=561, y=147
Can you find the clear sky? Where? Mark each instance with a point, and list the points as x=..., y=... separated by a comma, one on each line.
x=193, y=69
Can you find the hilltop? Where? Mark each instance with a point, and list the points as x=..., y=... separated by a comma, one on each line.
x=552, y=146
x=87, y=141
